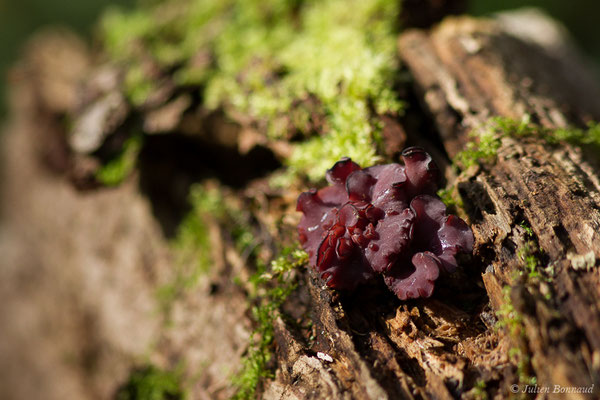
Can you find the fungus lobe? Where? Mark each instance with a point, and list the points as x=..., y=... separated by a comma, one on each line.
x=384, y=219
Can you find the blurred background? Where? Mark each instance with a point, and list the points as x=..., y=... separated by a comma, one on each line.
x=20, y=18
x=94, y=294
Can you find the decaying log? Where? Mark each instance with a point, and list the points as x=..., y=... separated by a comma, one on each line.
x=471, y=70
x=364, y=345
x=466, y=71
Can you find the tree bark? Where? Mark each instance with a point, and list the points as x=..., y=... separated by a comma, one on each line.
x=466, y=71
x=471, y=70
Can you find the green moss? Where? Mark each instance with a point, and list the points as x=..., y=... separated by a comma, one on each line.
x=511, y=127
x=509, y=317
x=527, y=229
x=138, y=86
x=528, y=255
x=512, y=320
x=264, y=58
x=589, y=136
x=524, y=128
x=451, y=198
x=152, y=383
x=193, y=239
x=192, y=244
x=271, y=287
x=479, y=391
x=341, y=53
x=116, y=170
x=351, y=136
x=162, y=39
x=536, y=273
x=486, y=141
x=484, y=147
x=122, y=32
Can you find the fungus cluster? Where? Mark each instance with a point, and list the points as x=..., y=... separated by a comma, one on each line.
x=386, y=220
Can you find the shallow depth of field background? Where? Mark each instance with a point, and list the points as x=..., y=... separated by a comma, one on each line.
x=20, y=18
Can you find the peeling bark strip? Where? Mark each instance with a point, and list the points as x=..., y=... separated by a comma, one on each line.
x=467, y=71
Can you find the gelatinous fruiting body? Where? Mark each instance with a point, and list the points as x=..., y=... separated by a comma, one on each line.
x=384, y=220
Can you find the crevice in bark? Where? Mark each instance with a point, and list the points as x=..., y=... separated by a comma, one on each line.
x=169, y=164
x=419, y=125
x=476, y=200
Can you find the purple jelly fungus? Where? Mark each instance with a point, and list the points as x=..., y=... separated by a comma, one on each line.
x=386, y=220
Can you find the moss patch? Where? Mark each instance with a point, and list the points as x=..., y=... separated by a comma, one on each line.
x=266, y=60
x=271, y=288
x=487, y=141
x=479, y=391
x=512, y=321
x=340, y=53
x=451, y=198
x=152, y=383
x=120, y=167
x=193, y=243
x=589, y=136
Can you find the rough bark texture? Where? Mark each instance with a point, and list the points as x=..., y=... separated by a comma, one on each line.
x=466, y=71
x=78, y=305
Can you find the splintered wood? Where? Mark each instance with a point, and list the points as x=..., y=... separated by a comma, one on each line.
x=465, y=72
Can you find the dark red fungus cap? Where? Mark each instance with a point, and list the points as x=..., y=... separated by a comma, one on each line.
x=384, y=220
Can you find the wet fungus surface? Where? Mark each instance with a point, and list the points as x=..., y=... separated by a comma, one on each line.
x=384, y=219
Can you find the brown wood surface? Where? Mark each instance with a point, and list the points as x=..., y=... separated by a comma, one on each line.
x=552, y=189
x=466, y=71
